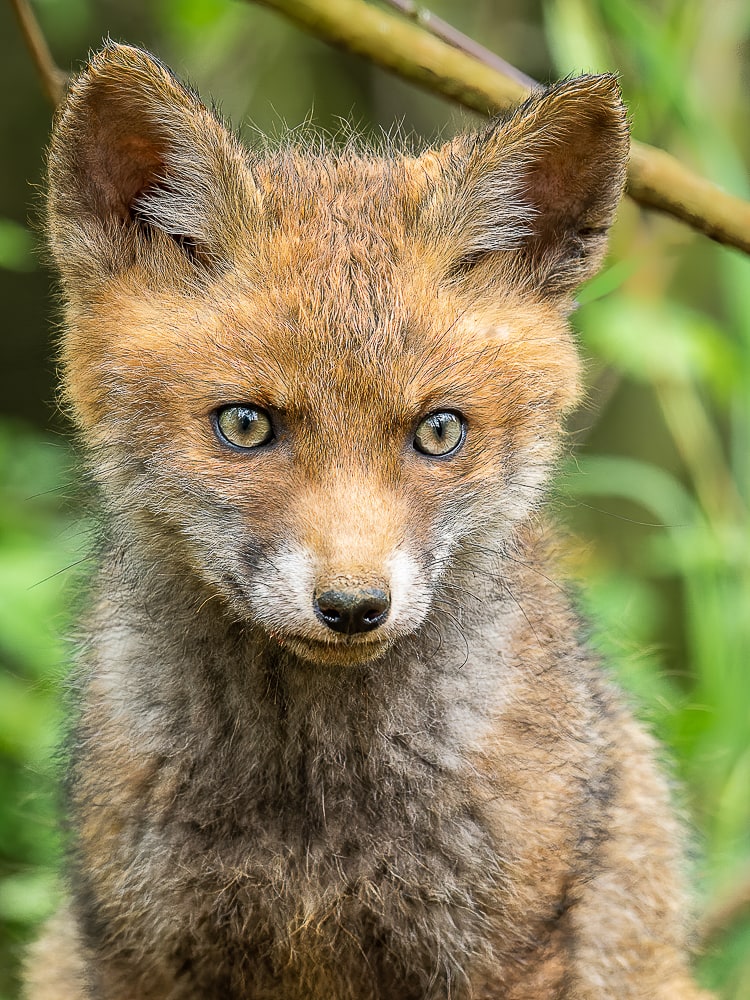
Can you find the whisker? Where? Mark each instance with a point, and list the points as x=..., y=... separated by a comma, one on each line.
x=59, y=572
x=459, y=628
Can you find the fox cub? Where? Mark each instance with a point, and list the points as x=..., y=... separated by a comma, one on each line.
x=338, y=736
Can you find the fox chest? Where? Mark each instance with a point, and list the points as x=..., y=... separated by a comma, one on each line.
x=316, y=875
x=356, y=908
x=406, y=920
x=309, y=895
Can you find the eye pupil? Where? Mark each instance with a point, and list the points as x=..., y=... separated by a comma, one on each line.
x=440, y=434
x=243, y=426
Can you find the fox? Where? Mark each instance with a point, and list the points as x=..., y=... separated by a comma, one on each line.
x=338, y=733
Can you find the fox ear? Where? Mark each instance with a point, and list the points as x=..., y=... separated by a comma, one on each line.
x=133, y=150
x=543, y=185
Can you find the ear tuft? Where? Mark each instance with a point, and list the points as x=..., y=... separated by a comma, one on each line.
x=542, y=185
x=133, y=148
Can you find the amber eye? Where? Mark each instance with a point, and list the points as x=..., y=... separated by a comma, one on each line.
x=244, y=426
x=440, y=433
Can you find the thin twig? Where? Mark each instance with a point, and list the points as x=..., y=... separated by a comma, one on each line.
x=729, y=910
x=458, y=40
x=52, y=78
x=698, y=443
x=655, y=179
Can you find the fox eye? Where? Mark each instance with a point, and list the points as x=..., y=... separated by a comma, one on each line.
x=243, y=426
x=440, y=434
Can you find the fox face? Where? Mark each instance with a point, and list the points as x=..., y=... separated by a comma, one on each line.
x=325, y=381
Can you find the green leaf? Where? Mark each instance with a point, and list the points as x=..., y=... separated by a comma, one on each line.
x=609, y=280
x=29, y=897
x=652, y=488
x=661, y=341
x=16, y=247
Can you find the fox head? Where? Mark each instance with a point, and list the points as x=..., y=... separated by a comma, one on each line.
x=323, y=380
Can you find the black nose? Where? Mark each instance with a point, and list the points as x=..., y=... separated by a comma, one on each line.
x=351, y=611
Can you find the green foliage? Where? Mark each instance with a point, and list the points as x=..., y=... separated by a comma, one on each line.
x=671, y=597
x=16, y=247
x=38, y=540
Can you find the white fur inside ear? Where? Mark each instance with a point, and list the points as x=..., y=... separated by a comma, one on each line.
x=132, y=145
x=179, y=206
x=202, y=194
x=495, y=215
x=546, y=181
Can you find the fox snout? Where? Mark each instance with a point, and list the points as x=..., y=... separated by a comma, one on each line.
x=347, y=606
x=345, y=577
x=337, y=609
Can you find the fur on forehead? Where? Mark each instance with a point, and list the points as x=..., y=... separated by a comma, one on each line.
x=303, y=350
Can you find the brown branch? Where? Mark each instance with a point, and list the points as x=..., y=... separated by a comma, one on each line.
x=405, y=49
x=442, y=59
x=656, y=180
x=726, y=912
x=52, y=78
x=661, y=182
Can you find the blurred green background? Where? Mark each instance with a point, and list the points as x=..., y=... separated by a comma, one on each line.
x=657, y=494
